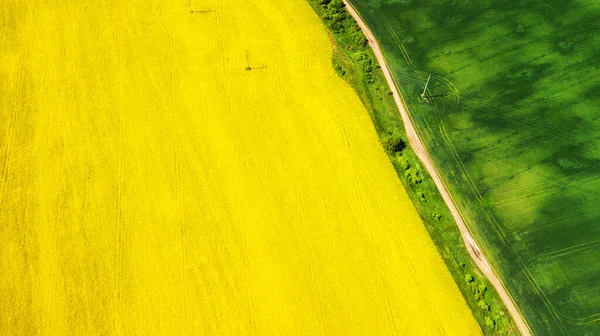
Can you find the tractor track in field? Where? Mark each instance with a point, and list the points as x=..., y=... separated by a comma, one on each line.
x=421, y=152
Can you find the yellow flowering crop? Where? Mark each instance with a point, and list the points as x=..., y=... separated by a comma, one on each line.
x=152, y=185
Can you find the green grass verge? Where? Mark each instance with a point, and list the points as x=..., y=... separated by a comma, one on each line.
x=354, y=61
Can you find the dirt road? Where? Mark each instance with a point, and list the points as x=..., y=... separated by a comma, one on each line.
x=419, y=148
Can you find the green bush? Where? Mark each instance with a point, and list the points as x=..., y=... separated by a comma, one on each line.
x=404, y=164
x=393, y=143
x=360, y=39
x=412, y=174
x=483, y=305
x=490, y=322
x=479, y=291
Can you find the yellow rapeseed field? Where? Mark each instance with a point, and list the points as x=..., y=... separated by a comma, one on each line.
x=151, y=185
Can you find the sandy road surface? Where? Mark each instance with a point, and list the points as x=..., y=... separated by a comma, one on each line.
x=421, y=151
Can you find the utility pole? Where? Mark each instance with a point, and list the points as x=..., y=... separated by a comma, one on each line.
x=425, y=90
x=248, y=68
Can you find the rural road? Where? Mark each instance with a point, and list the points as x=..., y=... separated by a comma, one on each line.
x=419, y=148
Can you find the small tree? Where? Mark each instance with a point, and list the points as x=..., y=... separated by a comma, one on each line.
x=412, y=175
x=490, y=322
x=404, y=164
x=360, y=39
x=479, y=291
x=393, y=143
x=483, y=305
x=336, y=6
x=469, y=278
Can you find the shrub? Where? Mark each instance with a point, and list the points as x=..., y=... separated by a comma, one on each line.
x=393, y=143
x=336, y=6
x=402, y=161
x=340, y=70
x=360, y=39
x=412, y=174
x=483, y=305
x=479, y=291
x=469, y=278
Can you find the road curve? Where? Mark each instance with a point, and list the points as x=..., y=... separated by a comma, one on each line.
x=423, y=155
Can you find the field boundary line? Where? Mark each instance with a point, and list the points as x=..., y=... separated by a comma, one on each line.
x=423, y=155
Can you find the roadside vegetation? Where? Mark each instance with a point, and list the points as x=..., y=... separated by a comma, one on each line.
x=354, y=61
